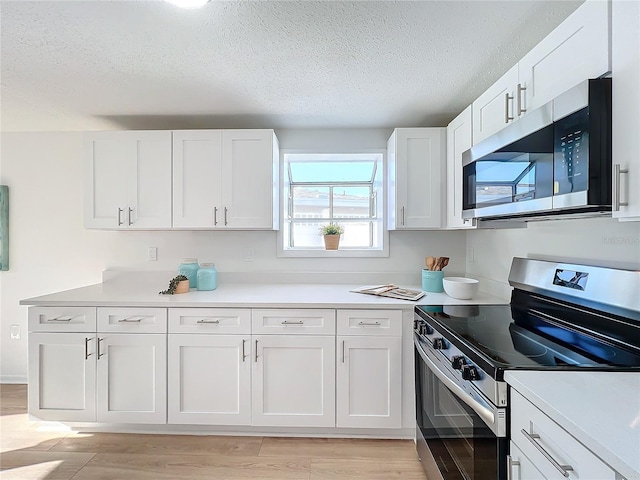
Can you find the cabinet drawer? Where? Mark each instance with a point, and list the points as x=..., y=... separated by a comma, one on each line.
x=132, y=320
x=210, y=320
x=62, y=319
x=369, y=322
x=544, y=435
x=294, y=321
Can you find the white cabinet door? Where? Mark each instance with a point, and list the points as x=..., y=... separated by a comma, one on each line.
x=128, y=180
x=62, y=376
x=495, y=108
x=293, y=381
x=197, y=182
x=576, y=50
x=459, y=133
x=250, y=179
x=416, y=163
x=626, y=108
x=369, y=382
x=209, y=379
x=132, y=378
x=520, y=467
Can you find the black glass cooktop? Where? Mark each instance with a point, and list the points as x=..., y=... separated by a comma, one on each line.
x=499, y=337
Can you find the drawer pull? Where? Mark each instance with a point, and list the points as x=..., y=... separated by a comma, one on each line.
x=204, y=320
x=59, y=319
x=563, y=469
x=369, y=324
x=287, y=322
x=131, y=320
x=256, y=351
x=244, y=355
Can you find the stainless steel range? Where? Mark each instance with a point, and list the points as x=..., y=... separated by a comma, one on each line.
x=561, y=316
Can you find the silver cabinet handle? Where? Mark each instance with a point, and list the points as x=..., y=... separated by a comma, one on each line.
x=510, y=464
x=342, y=351
x=98, y=344
x=215, y=215
x=225, y=215
x=287, y=322
x=563, y=469
x=59, y=319
x=129, y=216
x=519, y=94
x=204, y=320
x=369, y=324
x=507, y=117
x=244, y=355
x=256, y=351
x=86, y=348
x=120, y=217
x=617, y=171
x=131, y=320
x=402, y=214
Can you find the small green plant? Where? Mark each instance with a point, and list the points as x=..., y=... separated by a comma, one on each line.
x=173, y=284
x=331, y=229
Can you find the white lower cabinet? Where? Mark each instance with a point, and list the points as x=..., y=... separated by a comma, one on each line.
x=293, y=380
x=209, y=379
x=369, y=382
x=553, y=450
x=62, y=376
x=132, y=378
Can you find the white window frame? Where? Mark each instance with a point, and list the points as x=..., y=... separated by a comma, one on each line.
x=340, y=253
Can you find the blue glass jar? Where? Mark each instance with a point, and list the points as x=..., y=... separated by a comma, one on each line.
x=207, y=277
x=189, y=268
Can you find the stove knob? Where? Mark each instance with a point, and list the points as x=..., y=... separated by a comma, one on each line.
x=426, y=329
x=457, y=362
x=469, y=372
x=438, y=343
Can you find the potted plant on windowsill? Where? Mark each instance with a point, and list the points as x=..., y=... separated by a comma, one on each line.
x=331, y=233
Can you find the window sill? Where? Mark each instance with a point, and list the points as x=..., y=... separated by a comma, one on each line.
x=341, y=253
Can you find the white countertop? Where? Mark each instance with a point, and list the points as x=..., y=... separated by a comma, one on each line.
x=112, y=293
x=600, y=409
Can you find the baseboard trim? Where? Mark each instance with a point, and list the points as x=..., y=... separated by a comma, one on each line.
x=13, y=379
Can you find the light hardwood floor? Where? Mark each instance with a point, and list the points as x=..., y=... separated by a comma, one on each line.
x=34, y=451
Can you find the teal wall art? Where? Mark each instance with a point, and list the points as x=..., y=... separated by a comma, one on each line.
x=4, y=227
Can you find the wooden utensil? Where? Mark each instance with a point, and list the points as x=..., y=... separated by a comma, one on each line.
x=445, y=262
x=430, y=262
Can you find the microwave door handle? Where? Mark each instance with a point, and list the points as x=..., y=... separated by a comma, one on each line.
x=482, y=411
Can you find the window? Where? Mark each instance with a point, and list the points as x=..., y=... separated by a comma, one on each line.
x=333, y=188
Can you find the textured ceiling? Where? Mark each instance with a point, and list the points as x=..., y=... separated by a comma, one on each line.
x=82, y=65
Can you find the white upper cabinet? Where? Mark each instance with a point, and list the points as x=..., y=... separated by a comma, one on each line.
x=225, y=179
x=576, y=50
x=416, y=167
x=458, y=141
x=128, y=180
x=197, y=163
x=493, y=110
x=626, y=109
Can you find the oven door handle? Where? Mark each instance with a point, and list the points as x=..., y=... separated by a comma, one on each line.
x=482, y=411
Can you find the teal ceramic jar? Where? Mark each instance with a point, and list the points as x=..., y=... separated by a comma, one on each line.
x=432, y=281
x=207, y=277
x=189, y=268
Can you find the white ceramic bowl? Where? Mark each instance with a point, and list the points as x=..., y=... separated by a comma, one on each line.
x=460, y=287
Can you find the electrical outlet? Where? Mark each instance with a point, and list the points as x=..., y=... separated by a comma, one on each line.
x=153, y=254
x=470, y=255
x=248, y=254
x=15, y=332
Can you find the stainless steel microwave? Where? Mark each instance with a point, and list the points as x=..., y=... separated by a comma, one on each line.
x=556, y=160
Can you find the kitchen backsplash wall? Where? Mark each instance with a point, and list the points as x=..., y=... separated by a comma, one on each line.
x=597, y=241
x=51, y=250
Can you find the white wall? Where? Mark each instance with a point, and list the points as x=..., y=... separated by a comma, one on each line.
x=51, y=251
x=596, y=241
